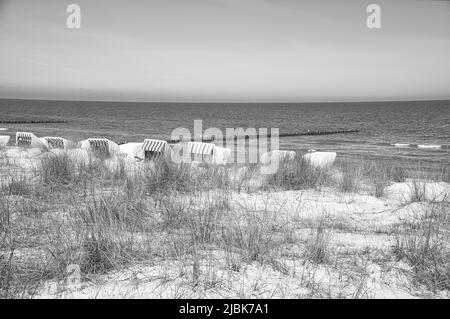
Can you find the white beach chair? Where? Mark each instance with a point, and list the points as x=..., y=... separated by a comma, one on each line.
x=201, y=152
x=271, y=160
x=320, y=159
x=132, y=150
x=28, y=139
x=100, y=146
x=23, y=138
x=221, y=155
x=153, y=148
x=57, y=142
x=268, y=157
x=4, y=139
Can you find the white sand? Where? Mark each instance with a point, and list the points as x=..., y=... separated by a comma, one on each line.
x=432, y=191
x=360, y=235
x=361, y=222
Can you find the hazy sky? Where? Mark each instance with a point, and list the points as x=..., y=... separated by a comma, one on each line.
x=225, y=50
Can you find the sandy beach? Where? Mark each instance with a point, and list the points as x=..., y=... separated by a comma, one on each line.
x=129, y=229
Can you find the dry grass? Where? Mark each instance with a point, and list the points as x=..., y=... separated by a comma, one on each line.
x=252, y=233
x=445, y=174
x=424, y=244
x=6, y=270
x=380, y=174
x=205, y=219
x=19, y=225
x=418, y=190
x=19, y=186
x=297, y=174
x=376, y=174
x=243, y=182
x=102, y=216
x=350, y=179
x=317, y=246
x=58, y=169
x=166, y=175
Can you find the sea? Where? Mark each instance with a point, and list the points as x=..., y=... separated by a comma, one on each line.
x=409, y=131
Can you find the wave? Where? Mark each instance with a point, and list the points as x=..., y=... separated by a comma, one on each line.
x=428, y=146
x=401, y=145
x=421, y=146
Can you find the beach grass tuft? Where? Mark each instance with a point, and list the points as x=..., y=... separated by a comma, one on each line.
x=424, y=246
x=296, y=174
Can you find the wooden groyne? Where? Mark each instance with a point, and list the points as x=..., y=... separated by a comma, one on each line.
x=31, y=121
x=320, y=132
x=305, y=133
x=193, y=139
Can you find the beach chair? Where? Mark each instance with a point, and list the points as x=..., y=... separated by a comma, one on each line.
x=221, y=155
x=4, y=139
x=132, y=151
x=201, y=152
x=320, y=159
x=55, y=142
x=23, y=138
x=153, y=148
x=100, y=146
x=279, y=155
x=27, y=139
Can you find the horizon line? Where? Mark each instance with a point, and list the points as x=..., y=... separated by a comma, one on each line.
x=229, y=101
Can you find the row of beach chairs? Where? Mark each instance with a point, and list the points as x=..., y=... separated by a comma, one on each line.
x=152, y=148
x=149, y=149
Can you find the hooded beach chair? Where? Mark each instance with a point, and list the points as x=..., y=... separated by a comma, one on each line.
x=4, y=139
x=320, y=159
x=202, y=152
x=153, y=148
x=55, y=142
x=132, y=151
x=221, y=155
x=23, y=138
x=100, y=146
x=279, y=155
x=28, y=139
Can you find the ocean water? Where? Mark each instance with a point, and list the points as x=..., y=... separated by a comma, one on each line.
x=382, y=124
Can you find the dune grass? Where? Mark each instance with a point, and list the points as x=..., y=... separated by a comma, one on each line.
x=296, y=173
x=101, y=215
x=424, y=245
x=19, y=186
x=317, y=246
x=350, y=178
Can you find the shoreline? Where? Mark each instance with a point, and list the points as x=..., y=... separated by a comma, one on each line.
x=408, y=161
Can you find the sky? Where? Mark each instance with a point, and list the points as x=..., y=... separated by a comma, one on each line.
x=225, y=50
